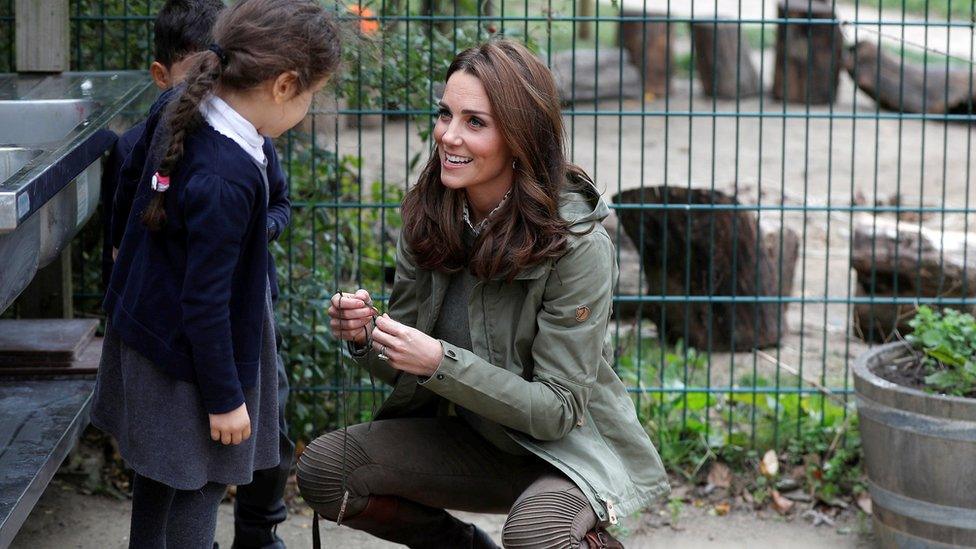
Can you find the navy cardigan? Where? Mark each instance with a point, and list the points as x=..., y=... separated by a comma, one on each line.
x=121, y=178
x=190, y=297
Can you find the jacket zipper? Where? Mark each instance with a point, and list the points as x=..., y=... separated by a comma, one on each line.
x=484, y=323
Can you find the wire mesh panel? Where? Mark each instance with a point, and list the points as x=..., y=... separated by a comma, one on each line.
x=789, y=180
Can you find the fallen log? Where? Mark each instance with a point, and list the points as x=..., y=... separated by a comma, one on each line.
x=910, y=87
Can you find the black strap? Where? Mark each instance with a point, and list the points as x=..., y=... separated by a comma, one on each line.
x=316, y=537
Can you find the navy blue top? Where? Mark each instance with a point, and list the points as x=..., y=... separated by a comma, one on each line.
x=119, y=189
x=190, y=297
x=111, y=170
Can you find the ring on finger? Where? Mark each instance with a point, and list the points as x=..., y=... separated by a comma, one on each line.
x=382, y=354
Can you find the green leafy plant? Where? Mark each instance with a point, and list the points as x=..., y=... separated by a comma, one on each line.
x=692, y=425
x=948, y=342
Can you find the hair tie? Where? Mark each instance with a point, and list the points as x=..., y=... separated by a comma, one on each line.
x=159, y=182
x=220, y=53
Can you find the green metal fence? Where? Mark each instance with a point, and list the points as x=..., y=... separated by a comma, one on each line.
x=759, y=220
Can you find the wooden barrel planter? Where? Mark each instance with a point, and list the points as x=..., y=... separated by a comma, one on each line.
x=920, y=457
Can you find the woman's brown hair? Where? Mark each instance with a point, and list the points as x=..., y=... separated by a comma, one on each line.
x=528, y=228
x=256, y=40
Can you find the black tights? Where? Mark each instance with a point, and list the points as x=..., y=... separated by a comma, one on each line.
x=164, y=517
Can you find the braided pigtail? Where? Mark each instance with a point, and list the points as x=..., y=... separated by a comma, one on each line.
x=183, y=116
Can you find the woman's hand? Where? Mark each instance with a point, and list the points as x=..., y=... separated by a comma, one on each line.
x=349, y=314
x=406, y=348
x=231, y=427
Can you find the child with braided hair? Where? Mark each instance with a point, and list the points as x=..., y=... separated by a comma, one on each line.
x=187, y=383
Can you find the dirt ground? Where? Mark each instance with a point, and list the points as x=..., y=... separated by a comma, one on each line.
x=65, y=519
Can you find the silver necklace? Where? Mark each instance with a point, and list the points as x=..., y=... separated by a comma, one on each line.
x=484, y=222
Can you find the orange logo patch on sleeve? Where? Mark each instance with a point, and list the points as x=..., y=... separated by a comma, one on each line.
x=582, y=313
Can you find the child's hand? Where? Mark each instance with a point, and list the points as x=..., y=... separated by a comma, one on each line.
x=231, y=427
x=350, y=313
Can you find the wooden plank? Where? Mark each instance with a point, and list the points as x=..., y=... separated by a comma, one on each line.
x=36, y=341
x=86, y=365
x=42, y=35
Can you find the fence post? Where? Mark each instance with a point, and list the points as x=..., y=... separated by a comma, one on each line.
x=42, y=35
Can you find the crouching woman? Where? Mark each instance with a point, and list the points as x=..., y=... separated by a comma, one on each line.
x=496, y=341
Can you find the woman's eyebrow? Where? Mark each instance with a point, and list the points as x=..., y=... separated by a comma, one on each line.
x=444, y=105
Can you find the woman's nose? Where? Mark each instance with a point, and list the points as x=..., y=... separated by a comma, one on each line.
x=451, y=135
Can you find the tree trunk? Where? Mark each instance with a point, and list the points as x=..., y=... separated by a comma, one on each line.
x=808, y=56
x=724, y=60
x=910, y=87
x=722, y=252
x=650, y=45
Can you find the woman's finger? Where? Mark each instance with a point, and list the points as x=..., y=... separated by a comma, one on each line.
x=380, y=336
x=215, y=434
x=360, y=312
x=389, y=325
x=235, y=437
x=347, y=325
x=347, y=301
x=225, y=437
x=364, y=295
x=247, y=432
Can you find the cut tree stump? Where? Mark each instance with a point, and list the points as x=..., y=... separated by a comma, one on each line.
x=724, y=60
x=808, y=55
x=584, y=75
x=910, y=87
x=722, y=252
x=920, y=262
x=651, y=46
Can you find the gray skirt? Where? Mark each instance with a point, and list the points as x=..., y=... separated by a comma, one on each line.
x=162, y=427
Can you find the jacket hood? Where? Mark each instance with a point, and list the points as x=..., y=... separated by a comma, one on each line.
x=583, y=206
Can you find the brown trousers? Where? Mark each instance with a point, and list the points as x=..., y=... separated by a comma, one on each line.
x=433, y=464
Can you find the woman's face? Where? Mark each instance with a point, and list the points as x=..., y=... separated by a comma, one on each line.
x=473, y=153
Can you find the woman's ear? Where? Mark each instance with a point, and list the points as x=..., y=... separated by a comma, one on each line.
x=285, y=87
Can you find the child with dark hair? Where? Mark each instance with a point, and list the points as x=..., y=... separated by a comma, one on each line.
x=188, y=380
x=182, y=27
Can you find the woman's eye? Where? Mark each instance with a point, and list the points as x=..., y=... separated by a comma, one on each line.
x=477, y=122
x=444, y=114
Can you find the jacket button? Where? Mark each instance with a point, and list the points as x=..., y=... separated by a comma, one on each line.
x=440, y=376
x=451, y=353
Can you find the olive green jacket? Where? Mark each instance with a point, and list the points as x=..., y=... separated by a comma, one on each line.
x=539, y=364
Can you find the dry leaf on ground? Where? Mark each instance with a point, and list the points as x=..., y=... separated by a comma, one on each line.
x=722, y=509
x=864, y=502
x=781, y=504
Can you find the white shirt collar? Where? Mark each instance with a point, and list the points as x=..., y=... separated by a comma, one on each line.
x=228, y=122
